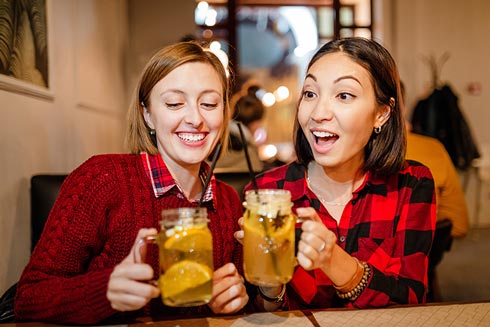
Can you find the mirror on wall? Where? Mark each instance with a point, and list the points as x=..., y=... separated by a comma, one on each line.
x=270, y=43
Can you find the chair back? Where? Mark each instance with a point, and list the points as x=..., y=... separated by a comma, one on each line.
x=442, y=242
x=44, y=191
x=236, y=179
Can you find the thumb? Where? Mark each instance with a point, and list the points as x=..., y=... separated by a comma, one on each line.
x=138, y=251
x=307, y=213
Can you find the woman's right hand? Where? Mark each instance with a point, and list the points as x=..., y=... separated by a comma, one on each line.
x=128, y=287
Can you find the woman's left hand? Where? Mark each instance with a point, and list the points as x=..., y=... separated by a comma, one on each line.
x=229, y=292
x=317, y=241
x=240, y=234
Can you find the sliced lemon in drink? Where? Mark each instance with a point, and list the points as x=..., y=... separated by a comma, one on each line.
x=190, y=239
x=184, y=276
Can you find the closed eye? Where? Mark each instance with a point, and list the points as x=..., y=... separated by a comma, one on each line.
x=174, y=105
x=209, y=106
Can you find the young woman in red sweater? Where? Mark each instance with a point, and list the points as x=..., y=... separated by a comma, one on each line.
x=82, y=270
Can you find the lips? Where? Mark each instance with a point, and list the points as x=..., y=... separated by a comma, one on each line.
x=191, y=137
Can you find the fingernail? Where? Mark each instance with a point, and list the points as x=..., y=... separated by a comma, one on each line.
x=231, y=268
x=235, y=304
x=233, y=291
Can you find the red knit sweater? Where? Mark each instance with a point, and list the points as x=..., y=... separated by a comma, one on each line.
x=92, y=227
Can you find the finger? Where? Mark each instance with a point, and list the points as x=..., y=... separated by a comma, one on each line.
x=133, y=271
x=307, y=213
x=127, y=302
x=131, y=287
x=315, y=241
x=315, y=227
x=228, y=284
x=239, y=235
x=304, y=262
x=240, y=222
x=227, y=270
x=130, y=295
x=308, y=251
x=235, y=305
x=230, y=300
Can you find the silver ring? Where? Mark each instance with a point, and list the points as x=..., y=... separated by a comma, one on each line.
x=322, y=247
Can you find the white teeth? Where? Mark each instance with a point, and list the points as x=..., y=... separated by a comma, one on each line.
x=191, y=137
x=323, y=134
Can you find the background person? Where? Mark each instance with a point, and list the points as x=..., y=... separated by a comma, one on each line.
x=450, y=199
x=249, y=111
x=82, y=270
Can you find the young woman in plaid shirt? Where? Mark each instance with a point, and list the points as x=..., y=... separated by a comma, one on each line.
x=369, y=215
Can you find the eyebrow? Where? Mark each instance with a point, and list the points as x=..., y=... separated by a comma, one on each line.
x=311, y=76
x=336, y=80
x=178, y=91
x=347, y=77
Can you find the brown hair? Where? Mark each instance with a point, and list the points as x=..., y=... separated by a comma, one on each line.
x=247, y=107
x=384, y=152
x=160, y=65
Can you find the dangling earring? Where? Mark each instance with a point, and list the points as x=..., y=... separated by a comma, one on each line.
x=377, y=130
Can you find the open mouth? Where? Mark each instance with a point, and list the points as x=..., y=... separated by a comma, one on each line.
x=191, y=137
x=324, y=137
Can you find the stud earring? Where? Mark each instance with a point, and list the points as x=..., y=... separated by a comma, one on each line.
x=153, y=132
x=377, y=130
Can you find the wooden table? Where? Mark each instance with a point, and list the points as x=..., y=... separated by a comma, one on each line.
x=439, y=314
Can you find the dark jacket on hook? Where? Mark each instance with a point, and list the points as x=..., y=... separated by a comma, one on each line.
x=439, y=116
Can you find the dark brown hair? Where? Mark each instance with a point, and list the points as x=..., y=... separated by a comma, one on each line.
x=247, y=107
x=385, y=152
x=160, y=65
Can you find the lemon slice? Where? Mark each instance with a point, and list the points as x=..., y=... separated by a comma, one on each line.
x=183, y=276
x=190, y=239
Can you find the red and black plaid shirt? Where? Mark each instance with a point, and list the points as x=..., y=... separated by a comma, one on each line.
x=162, y=181
x=389, y=223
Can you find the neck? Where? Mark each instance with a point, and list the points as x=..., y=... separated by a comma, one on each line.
x=333, y=191
x=187, y=177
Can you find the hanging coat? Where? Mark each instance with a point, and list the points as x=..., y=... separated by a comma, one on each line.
x=439, y=116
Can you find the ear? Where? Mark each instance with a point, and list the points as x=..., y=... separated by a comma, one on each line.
x=147, y=117
x=384, y=113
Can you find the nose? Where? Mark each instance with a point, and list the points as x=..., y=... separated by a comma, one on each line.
x=322, y=111
x=193, y=115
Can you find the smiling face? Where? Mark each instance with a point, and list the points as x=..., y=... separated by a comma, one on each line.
x=186, y=109
x=338, y=111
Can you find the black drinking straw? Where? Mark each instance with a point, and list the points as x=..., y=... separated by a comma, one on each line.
x=256, y=188
x=249, y=163
x=208, y=178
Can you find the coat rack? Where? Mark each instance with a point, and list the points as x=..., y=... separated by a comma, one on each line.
x=435, y=66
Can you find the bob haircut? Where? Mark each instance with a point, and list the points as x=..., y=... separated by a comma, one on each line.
x=138, y=137
x=384, y=154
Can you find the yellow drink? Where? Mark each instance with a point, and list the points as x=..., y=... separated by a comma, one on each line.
x=269, y=238
x=186, y=263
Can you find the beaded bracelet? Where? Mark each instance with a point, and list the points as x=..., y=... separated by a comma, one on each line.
x=357, y=290
x=276, y=299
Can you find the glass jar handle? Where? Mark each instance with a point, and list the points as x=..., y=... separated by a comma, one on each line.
x=141, y=245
